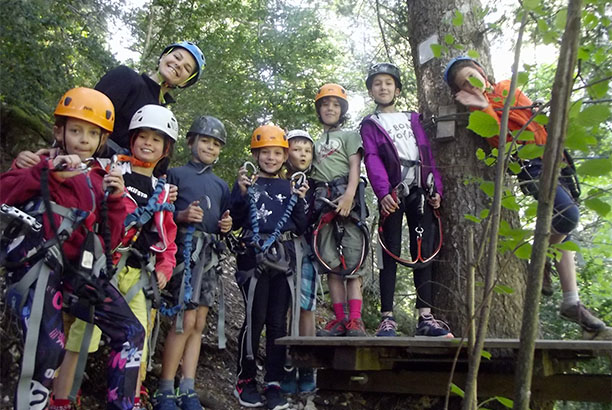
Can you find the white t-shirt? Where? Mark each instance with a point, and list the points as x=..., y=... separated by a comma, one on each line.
x=397, y=125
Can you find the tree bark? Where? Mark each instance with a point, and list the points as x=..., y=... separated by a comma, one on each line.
x=457, y=162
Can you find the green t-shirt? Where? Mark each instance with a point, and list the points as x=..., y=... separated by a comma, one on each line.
x=331, y=157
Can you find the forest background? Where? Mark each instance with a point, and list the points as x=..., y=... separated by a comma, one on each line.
x=265, y=61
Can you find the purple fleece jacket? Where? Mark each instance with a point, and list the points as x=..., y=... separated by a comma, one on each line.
x=382, y=160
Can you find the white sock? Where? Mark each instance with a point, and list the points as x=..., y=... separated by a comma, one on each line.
x=570, y=298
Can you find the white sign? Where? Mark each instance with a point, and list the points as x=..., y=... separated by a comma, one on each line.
x=425, y=52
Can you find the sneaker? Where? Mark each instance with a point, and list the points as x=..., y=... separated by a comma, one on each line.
x=274, y=398
x=164, y=400
x=289, y=384
x=189, y=400
x=335, y=327
x=580, y=314
x=547, y=285
x=387, y=327
x=430, y=327
x=306, y=381
x=355, y=328
x=247, y=394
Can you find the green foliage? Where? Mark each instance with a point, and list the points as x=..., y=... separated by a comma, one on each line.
x=483, y=124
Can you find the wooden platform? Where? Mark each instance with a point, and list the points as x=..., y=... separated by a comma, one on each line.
x=422, y=366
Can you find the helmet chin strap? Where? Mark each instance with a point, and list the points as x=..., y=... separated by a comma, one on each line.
x=385, y=105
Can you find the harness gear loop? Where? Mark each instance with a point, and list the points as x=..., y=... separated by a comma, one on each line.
x=331, y=216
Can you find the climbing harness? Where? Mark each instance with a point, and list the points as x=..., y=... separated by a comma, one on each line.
x=399, y=192
x=333, y=190
x=269, y=253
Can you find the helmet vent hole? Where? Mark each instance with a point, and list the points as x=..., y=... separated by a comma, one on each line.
x=67, y=101
x=108, y=114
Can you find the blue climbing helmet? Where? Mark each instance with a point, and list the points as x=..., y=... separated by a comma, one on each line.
x=197, y=55
x=455, y=60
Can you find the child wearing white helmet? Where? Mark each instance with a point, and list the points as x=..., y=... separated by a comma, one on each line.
x=149, y=235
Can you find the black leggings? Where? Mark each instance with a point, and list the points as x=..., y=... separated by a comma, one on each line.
x=392, y=230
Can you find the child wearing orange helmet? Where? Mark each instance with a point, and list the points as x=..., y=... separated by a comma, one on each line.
x=70, y=266
x=271, y=213
x=339, y=244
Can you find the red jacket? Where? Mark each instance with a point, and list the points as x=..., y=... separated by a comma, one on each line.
x=19, y=186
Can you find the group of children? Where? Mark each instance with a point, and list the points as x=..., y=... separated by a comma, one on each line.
x=117, y=232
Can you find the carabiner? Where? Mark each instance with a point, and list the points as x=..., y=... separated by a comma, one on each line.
x=253, y=168
x=298, y=179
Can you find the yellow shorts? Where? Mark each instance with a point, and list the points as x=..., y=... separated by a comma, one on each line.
x=75, y=331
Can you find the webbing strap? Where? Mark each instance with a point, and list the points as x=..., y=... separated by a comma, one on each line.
x=249, y=316
x=31, y=342
x=82, y=360
x=222, y=339
x=297, y=295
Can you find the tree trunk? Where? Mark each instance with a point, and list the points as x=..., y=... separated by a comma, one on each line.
x=457, y=162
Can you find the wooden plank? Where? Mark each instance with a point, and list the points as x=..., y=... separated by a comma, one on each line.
x=573, y=387
x=512, y=344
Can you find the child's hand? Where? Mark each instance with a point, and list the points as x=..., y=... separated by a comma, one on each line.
x=27, y=159
x=192, y=214
x=225, y=223
x=162, y=281
x=113, y=181
x=435, y=201
x=388, y=205
x=301, y=191
x=62, y=162
x=244, y=181
x=345, y=203
x=472, y=98
x=173, y=193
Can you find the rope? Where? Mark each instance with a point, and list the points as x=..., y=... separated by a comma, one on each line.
x=171, y=311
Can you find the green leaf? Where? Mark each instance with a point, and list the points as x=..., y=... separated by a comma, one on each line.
x=476, y=82
x=484, y=213
x=541, y=119
x=531, y=151
x=595, y=167
x=503, y=290
x=457, y=390
x=505, y=401
x=489, y=161
x=472, y=218
x=514, y=167
x=526, y=136
x=522, y=78
x=594, y=115
x=473, y=54
x=483, y=124
x=602, y=208
x=531, y=210
x=458, y=19
x=524, y=251
x=567, y=246
x=488, y=187
x=449, y=39
x=509, y=202
x=599, y=90
x=576, y=137
x=485, y=354
x=480, y=154
x=531, y=4
x=583, y=53
x=560, y=19
x=436, y=49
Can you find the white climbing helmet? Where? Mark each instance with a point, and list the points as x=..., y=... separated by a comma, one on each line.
x=156, y=117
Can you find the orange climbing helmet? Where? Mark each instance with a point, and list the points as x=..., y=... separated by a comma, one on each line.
x=89, y=105
x=269, y=135
x=332, y=90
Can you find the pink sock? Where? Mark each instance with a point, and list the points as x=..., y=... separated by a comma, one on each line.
x=339, y=310
x=354, y=308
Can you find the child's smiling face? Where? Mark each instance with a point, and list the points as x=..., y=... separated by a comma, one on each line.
x=148, y=145
x=271, y=159
x=206, y=149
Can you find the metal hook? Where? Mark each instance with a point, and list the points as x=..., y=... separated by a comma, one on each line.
x=298, y=179
x=253, y=168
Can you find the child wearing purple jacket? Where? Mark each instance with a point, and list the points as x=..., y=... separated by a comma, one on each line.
x=403, y=175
